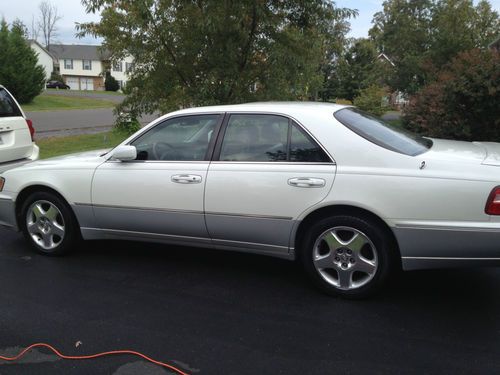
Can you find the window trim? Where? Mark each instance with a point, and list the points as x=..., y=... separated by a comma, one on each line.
x=211, y=144
x=291, y=120
x=72, y=65
x=83, y=64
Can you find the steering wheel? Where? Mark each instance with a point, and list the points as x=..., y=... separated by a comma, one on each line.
x=161, y=149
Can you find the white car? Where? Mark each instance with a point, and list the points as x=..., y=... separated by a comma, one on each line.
x=351, y=197
x=16, y=134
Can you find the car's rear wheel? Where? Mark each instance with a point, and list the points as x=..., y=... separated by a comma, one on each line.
x=48, y=224
x=348, y=256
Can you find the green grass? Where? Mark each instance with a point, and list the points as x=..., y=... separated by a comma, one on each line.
x=59, y=103
x=89, y=91
x=398, y=123
x=56, y=146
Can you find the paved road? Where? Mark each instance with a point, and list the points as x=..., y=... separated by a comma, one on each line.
x=226, y=313
x=50, y=123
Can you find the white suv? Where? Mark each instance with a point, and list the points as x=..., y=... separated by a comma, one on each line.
x=16, y=134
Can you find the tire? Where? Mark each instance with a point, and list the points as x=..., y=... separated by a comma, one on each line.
x=48, y=224
x=348, y=256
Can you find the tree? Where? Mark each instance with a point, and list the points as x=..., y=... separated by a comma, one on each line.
x=371, y=99
x=463, y=103
x=110, y=83
x=19, y=71
x=47, y=21
x=357, y=69
x=421, y=36
x=210, y=52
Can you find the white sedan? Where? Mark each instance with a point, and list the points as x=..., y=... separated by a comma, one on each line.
x=351, y=197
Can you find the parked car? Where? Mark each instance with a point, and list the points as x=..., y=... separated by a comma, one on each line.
x=16, y=134
x=56, y=85
x=351, y=197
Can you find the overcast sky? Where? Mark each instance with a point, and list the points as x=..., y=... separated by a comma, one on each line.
x=72, y=11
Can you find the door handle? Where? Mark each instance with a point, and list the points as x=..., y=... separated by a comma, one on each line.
x=306, y=182
x=186, y=179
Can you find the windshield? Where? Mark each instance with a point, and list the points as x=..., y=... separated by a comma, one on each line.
x=381, y=133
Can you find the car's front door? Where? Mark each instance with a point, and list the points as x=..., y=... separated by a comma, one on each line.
x=266, y=171
x=159, y=195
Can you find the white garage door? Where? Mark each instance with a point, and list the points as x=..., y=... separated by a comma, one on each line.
x=73, y=83
x=86, y=84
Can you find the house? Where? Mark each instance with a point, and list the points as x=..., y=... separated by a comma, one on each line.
x=81, y=66
x=45, y=58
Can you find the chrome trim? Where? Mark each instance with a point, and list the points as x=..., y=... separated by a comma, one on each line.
x=160, y=161
x=272, y=162
x=184, y=211
x=250, y=216
x=139, y=208
x=173, y=236
x=249, y=243
x=448, y=258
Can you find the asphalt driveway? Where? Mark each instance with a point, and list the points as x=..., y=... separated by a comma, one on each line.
x=213, y=312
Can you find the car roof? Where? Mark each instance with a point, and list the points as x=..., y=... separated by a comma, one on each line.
x=274, y=107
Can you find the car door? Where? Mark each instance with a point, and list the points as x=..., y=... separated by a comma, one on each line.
x=266, y=171
x=160, y=194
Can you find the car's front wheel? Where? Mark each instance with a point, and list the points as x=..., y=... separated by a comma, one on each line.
x=348, y=256
x=48, y=224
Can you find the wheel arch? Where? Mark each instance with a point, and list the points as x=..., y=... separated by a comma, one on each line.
x=28, y=190
x=342, y=209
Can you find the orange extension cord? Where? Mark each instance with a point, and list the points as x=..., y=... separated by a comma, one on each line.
x=114, y=352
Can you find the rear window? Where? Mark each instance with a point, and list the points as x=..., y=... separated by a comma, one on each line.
x=8, y=108
x=381, y=133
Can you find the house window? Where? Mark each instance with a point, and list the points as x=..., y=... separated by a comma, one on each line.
x=68, y=64
x=117, y=66
x=87, y=64
x=129, y=67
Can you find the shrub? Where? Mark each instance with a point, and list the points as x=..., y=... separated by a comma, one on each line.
x=373, y=100
x=54, y=76
x=464, y=101
x=110, y=83
x=19, y=69
x=126, y=123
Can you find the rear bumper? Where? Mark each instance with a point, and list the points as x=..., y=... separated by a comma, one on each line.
x=449, y=246
x=17, y=163
x=8, y=213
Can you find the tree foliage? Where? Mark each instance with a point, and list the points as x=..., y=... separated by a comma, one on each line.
x=209, y=52
x=421, y=36
x=372, y=99
x=463, y=103
x=19, y=69
x=357, y=69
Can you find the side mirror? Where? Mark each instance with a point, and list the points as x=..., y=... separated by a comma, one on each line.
x=124, y=153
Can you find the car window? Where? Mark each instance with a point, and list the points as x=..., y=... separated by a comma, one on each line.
x=8, y=108
x=259, y=137
x=255, y=138
x=304, y=149
x=179, y=139
x=381, y=133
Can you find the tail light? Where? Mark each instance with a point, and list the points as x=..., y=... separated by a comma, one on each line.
x=493, y=202
x=31, y=128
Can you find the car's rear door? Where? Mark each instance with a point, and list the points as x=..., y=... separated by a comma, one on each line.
x=266, y=171
x=159, y=195
x=15, y=137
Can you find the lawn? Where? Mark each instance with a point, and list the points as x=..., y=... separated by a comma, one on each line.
x=55, y=102
x=56, y=146
x=89, y=91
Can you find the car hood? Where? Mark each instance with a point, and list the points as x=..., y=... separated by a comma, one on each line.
x=487, y=153
x=82, y=159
